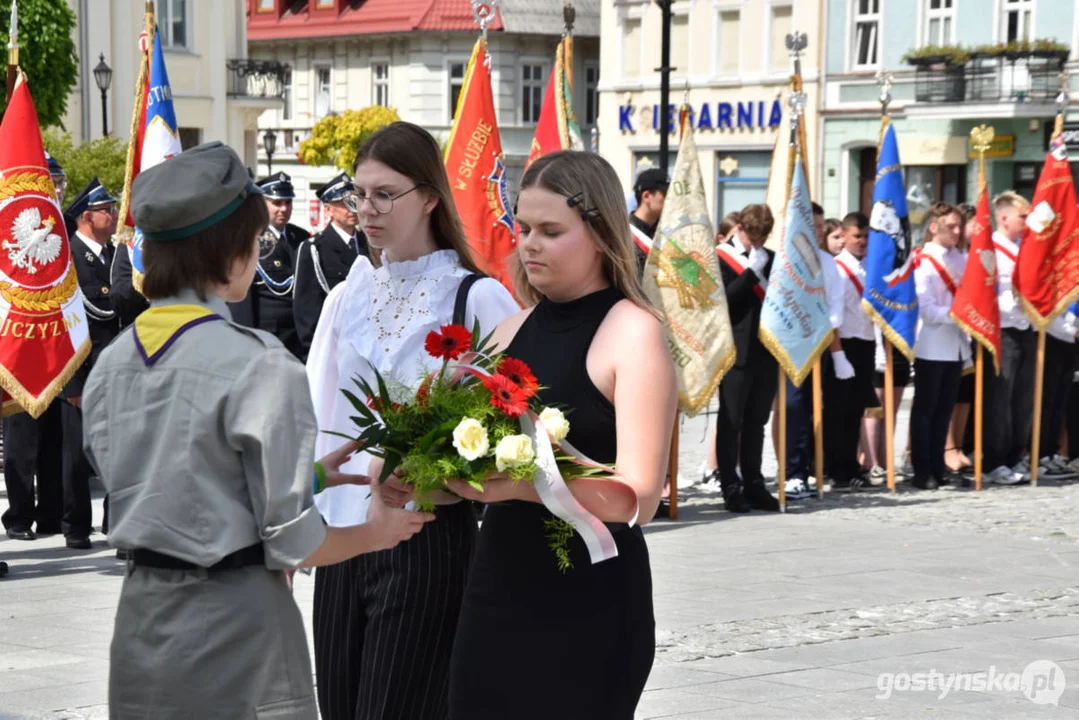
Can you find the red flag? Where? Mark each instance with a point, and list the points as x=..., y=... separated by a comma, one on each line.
x=975, y=307
x=43, y=331
x=477, y=171
x=1046, y=275
x=557, y=128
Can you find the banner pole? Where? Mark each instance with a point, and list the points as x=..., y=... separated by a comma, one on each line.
x=1039, y=380
x=889, y=414
x=672, y=501
x=978, y=400
x=818, y=430
x=781, y=456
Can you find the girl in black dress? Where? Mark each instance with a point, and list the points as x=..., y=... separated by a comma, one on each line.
x=533, y=642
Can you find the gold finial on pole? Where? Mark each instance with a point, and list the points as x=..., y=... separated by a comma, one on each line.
x=569, y=16
x=981, y=139
x=1062, y=101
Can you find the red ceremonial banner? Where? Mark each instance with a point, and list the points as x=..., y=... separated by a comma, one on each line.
x=477, y=171
x=975, y=307
x=44, y=337
x=1046, y=275
x=557, y=128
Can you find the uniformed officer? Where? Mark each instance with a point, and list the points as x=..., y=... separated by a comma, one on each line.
x=268, y=305
x=93, y=215
x=324, y=260
x=34, y=448
x=203, y=433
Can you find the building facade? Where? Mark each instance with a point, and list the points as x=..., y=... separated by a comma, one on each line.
x=411, y=55
x=732, y=57
x=218, y=92
x=941, y=95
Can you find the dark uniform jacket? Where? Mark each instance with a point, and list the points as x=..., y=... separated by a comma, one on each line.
x=95, y=281
x=126, y=300
x=744, y=303
x=321, y=263
x=268, y=305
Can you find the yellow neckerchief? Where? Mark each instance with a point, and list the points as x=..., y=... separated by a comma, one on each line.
x=157, y=328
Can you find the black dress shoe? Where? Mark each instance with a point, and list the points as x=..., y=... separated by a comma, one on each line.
x=48, y=529
x=3, y=569
x=945, y=479
x=80, y=542
x=759, y=498
x=925, y=483
x=733, y=498
x=21, y=534
x=122, y=555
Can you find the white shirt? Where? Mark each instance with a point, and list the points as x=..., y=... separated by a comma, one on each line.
x=349, y=240
x=938, y=337
x=94, y=245
x=380, y=318
x=854, y=323
x=1011, y=316
x=833, y=291
x=1064, y=327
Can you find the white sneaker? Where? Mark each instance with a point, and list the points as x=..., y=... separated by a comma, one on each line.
x=1004, y=475
x=1074, y=465
x=1054, y=468
x=878, y=476
x=797, y=489
x=711, y=483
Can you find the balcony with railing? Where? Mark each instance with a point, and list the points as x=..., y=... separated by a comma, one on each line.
x=259, y=79
x=993, y=75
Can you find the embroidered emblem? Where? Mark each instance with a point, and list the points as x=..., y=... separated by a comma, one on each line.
x=35, y=242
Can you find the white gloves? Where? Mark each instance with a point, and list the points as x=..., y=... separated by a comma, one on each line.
x=758, y=258
x=843, y=369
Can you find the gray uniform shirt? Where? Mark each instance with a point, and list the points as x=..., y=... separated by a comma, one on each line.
x=209, y=449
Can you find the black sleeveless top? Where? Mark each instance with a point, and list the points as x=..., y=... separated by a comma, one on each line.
x=518, y=606
x=554, y=342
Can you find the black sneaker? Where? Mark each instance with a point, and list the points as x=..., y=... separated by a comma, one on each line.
x=846, y=483
x=78, y=542
x=759, y=498
x=3, y=569
x=925, y=483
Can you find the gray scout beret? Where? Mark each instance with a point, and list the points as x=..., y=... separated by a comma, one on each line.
x=186, y=194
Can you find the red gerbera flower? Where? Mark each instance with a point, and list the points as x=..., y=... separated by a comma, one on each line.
x=424, y=392
x=453, y=342
x=520, y=374
x=376, y=404
x=506, y=395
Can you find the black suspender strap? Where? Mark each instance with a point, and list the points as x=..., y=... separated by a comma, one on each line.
x=461, y=303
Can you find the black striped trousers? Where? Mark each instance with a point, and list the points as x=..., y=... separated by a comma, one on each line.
x=384, y=624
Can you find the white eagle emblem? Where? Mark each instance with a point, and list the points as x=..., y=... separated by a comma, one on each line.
x=35, y=242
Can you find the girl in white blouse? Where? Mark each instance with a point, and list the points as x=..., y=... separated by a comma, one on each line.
x=384, y=624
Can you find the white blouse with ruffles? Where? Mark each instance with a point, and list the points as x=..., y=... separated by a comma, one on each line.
x=380, y=318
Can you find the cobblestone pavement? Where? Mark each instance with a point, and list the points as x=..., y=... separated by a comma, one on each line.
x=837, y=609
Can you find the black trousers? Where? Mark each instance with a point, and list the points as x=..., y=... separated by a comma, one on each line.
x=76, y=472
x=1056, y=387
x=851, y=398
x=1072, y=412
x=745, y=403
x=1009, y=399
x=384, y=624
x=32, y=448
x=936, y=387
x=800, y=445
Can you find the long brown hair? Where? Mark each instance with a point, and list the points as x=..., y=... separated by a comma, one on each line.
x=571, y=173
x=413, y=152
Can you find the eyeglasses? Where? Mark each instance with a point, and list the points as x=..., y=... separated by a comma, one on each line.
x=110, y=209
x=381, y=201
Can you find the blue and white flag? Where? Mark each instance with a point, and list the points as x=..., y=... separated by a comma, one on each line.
x=889, y=297
x=160, y=138
x=795, y=324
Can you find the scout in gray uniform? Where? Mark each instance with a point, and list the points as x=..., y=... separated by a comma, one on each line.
x=202, y=431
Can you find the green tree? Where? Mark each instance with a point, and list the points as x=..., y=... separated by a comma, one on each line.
x=335, y=139
x=46, y=54
x=105, y=158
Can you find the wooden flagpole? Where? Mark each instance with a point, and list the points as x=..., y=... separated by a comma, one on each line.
x=1039, y=380
x=818, y=430
x=672, y=501
x=781, y=477
x=979, y=398
x=889, y=414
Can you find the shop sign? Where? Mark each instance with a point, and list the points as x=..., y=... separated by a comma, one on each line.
x=1070, y=133
x=716, y=116
x=1001, y=146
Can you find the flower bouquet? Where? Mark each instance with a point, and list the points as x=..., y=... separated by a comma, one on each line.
x=475, y=416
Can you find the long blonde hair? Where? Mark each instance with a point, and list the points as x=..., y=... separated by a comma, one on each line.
x=413, y=152
x=572, y=173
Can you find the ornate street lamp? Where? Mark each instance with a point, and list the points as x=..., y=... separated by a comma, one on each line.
x=269, y=142
x=103, y=78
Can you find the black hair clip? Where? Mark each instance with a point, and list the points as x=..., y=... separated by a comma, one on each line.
x=586, y=214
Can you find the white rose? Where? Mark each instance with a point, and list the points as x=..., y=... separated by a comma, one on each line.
x=470, y=439
x=556, y=424
x=514, y=451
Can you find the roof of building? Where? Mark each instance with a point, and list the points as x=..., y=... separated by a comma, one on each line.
x=376, y=17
